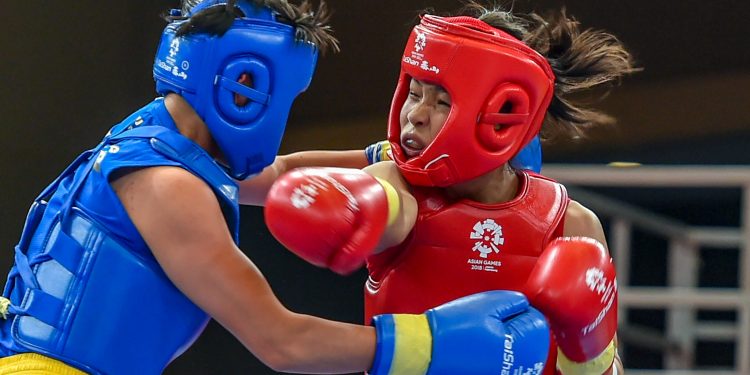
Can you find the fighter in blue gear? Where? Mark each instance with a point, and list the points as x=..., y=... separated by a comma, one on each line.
x=125, y=256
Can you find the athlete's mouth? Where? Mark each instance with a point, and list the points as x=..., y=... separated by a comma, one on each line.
x=411, y=146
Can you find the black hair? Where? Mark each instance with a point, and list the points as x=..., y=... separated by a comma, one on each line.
x=580, y=59
x=311, y=25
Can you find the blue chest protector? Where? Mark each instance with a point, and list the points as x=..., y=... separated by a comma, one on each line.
x=85, y=288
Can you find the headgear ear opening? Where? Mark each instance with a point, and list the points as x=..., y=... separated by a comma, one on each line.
x=258, y=94
x=507, y=107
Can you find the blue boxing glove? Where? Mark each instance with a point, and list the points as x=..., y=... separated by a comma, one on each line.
x=494, y=332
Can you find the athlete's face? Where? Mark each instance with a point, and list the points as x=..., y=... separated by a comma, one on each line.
x=422, y=116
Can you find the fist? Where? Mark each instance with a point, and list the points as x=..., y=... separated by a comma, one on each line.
x=573, y=284
x=331, y=217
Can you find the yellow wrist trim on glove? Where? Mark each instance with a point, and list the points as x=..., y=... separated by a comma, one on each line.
x=394, y=202
x=413, y=345
x=385, y=150
x=595, y=366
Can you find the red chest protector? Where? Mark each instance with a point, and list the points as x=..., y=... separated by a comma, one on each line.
x=463, y=247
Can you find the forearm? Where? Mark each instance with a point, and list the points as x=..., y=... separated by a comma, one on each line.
x=253, y=191
x=283, y=340
x=402, y=206
x=317, y=345
x=339, y=159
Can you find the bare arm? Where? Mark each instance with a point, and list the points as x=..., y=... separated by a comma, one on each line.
x=580, y=221
x=406, y=214
x=253, y=191
x=181, y=221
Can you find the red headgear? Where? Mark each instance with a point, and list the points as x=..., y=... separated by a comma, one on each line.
x=485, y=70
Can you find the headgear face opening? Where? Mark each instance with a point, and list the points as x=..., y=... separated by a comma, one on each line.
x=204, y=70
x=500, y=89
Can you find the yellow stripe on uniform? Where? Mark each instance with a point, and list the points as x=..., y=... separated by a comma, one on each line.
x=413, y=345
x=596, y=366
x=394, y=202
x=35, y=364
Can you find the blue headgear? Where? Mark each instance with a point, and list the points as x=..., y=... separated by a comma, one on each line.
x=204, y=70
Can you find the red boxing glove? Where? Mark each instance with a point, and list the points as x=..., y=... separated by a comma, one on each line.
x=331, y=217
x=573, y=284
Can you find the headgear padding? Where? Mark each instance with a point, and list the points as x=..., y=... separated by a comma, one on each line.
x=204, y=70
x=499, y=87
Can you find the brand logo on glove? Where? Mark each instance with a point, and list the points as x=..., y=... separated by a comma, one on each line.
x=509, y=360
x=490, y=236
x=305, y=194
x=606, y=289
x=598, y=283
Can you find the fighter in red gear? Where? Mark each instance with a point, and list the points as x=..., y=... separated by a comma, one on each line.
x=460, y=218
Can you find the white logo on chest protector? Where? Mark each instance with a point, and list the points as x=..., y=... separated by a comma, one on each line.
x=489, y=235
